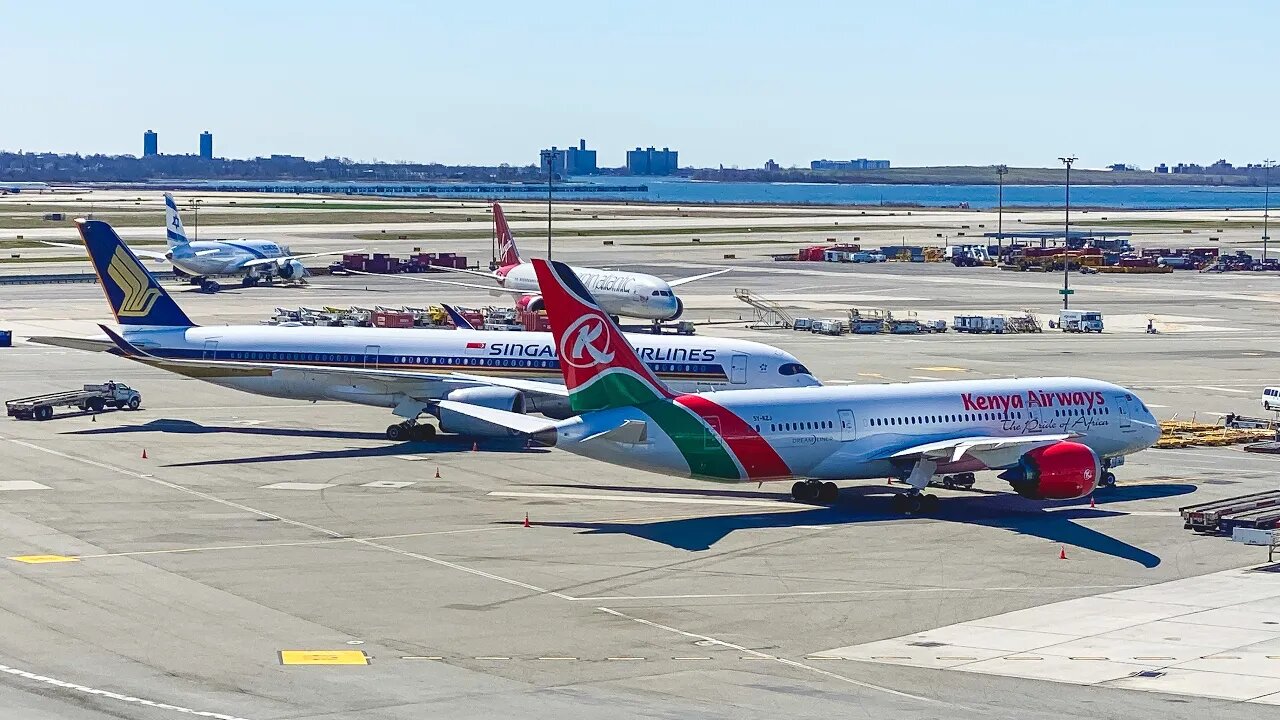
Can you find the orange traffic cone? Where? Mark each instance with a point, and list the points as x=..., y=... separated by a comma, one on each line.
x=144, y=453
x=1062, y=553
x=475, y=446
x=437, y=471
x=1092, y=504
x=526, y=520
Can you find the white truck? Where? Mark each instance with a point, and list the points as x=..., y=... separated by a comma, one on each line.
x=1081, y=321
x=93, y=398
x=827, y=327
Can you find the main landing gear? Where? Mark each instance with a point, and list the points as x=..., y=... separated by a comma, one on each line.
x=410, y=430
x=913, y=501
x=1108, y=479
x=808, y=491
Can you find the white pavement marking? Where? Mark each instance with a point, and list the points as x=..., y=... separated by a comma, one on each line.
x=22, y=485
x=780, y=504
x=1217, y=388
x=296, y=486
x=390, y=484
x=924, y=377
x=708, y=640
x=1207, y=636
x=114, y=695
x=880, y=591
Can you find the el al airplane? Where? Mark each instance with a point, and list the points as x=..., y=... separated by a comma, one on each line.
x=1054, y=438
x=405, y=369
x=258, y=260
x=620, y=293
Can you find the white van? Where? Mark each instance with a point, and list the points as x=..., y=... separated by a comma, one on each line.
x=1271, y=398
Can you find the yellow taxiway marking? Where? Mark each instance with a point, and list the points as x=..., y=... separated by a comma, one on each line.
x=41, y=559
x=323, y=657
x=942, y=368
x=874, y=375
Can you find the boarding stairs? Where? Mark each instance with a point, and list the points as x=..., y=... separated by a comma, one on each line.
x=768, y=313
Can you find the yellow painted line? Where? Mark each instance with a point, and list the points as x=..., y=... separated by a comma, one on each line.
x=757, y=657
x=492, y=657
x=1220, y=657
x=323, y=657
x=943, y=368
x=553, y=657
x=704, y=657
x=625, y=657
x=42, y=559
x=1087, y=657
x=874, y=375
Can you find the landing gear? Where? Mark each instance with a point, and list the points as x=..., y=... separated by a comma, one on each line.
x=808, y=491
x=249, y=281
x=209, y=286
x=959, y=481
x=410, y=430
x=915, y=503
x=1108, y=479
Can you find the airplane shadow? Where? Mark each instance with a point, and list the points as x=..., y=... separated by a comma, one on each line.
x=188, y=427
x=868, y=504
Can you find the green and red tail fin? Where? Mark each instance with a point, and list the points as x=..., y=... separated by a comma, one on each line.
x=601, y=370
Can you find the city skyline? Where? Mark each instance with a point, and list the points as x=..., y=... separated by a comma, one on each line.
x=724, y=83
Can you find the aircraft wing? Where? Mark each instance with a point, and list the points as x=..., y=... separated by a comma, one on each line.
x=532, y=386
x=268, y=261
x=145, y=254
x=525, y=424
x=468, y=271
x=983, y=448
x=703, y=276
x=491, y=288
x=86, y=344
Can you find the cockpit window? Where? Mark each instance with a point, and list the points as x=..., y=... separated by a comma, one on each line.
x=793, y=369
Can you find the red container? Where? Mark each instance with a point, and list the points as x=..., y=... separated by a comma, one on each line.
x=388, y=319
x=534, y=321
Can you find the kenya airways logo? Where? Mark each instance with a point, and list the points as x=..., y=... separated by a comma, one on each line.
x=587, y=343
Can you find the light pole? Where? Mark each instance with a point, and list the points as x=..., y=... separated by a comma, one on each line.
x=1001, y=171
x=1066, y=262
x=196, y=204
x=549, y=157
x=1266, y=205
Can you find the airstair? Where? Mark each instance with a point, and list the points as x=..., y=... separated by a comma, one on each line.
x=768, y=314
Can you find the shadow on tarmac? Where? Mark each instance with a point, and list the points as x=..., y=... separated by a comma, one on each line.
x=865, y=504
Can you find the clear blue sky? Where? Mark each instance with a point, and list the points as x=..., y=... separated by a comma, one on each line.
x=918, y=83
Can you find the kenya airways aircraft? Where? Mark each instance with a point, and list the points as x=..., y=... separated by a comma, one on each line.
x=1053, y=438
x=628, y=294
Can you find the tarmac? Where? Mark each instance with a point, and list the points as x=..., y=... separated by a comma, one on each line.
x=275, y=559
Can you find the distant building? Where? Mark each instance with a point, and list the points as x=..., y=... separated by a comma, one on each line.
x=206, y=145
x=150, y=143
x=580, y=160
x=1162, y=168
x=652, y=161
x=771, y=166
x=1122, y=167
x=552, y=160
x=859, y=164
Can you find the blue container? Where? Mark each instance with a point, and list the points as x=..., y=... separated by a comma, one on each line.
x=6, y=338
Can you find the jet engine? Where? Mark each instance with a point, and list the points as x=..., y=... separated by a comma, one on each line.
x=496, y=398
x=1062, y=471
x=532, y=303
x=290, y=270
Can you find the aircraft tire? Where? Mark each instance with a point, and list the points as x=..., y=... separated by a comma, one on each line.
x=828, y=492
x=397, y=432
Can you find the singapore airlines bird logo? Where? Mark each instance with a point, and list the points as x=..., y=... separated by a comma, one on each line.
x=586, y=343
x=132, y=280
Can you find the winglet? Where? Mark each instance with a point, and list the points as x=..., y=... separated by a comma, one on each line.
x=456, y=318
x=600, y=368
x=134, y=295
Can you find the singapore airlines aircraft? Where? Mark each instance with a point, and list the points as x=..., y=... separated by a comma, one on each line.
x=1053, y=438
x=404, y=369
x=627, y=294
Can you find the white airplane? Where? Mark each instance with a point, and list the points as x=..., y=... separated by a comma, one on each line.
x=405, y=369
x=620, y=293
x=1053, y=438
x=258, y=260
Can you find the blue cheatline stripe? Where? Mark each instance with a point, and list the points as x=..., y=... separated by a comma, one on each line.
x=694, y=371
x=253, y=251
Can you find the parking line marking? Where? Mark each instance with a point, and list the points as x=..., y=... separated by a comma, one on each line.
x=43, y=559
x=421, y=657
x=492, y=657
x=97, y=692
x=556, y=657
x=625, y=658
x=323, y=657
x=782, y=504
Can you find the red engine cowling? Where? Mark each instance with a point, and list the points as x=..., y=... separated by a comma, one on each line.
x=531, y=303
x=1062, y=471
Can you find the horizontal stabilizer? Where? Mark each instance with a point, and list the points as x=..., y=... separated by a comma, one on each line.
x=521, y=423
x=88, y=344
x=630, y=431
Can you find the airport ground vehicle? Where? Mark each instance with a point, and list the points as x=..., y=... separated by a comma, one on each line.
x=94, y=398
x=978, y=324
x=1081, y=321
x=827, y=327
x=1053, y=438
x=1271, y=398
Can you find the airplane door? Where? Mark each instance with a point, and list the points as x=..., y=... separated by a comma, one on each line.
x=210, y=350
x=371, y=353
x=847, y=428
x=738, y=369
x=1126, y=420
